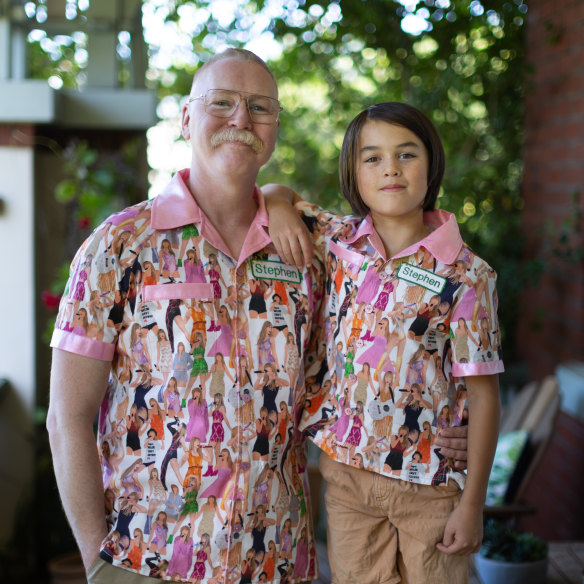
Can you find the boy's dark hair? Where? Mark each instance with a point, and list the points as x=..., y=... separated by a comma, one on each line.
x=401, y=114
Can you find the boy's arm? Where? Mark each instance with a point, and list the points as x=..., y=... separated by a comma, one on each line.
x=464, y=530
x=290, y=235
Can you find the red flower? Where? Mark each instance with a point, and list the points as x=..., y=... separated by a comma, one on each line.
x=50, y=300
x=83, y=222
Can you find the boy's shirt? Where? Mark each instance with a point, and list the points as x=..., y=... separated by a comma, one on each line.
x=417, y=323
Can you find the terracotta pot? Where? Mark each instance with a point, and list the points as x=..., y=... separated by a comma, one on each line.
x=67, y=569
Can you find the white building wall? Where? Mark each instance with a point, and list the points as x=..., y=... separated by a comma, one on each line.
x=17, y=354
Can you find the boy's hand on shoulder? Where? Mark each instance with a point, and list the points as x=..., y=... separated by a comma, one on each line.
x=291, y=238
x=463, y=533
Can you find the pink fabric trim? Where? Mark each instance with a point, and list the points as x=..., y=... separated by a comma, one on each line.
x=346, y=254
x=444, y=242
x=181, y=290
x=481, y=368
x=175, y=206
x=257, y=237
x=68, y=341
x=365, y=227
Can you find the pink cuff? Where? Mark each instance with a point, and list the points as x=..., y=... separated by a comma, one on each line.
x=480, y=368
x=68, y=341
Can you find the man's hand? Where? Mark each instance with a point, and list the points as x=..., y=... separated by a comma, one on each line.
x=454, y=444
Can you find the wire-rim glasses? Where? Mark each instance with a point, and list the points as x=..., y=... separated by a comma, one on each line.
x=223, y=103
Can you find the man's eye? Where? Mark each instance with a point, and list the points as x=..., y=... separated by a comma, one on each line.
x=259, y=107
x=221, y=103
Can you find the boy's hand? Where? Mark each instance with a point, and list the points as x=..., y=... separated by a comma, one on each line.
x=290, y=236
x=454, y=444
x=463, y=533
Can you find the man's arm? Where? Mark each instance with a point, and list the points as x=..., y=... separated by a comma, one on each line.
x=78, y=386
x=464, y=531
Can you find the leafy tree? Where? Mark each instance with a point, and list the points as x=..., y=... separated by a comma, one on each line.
x=459, y=61
x=464, y=67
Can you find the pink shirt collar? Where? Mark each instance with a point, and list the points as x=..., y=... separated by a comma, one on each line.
x=444, y=241
x=175, y=206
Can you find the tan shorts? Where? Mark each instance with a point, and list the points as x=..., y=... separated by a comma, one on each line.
x=383, y=530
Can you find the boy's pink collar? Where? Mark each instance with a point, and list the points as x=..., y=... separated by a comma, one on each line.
x=444, y=241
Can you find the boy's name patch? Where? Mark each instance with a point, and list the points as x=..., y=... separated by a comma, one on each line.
x=420, y=277
x=275, y=271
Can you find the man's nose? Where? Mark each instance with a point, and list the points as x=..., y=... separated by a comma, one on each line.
x=240, y=117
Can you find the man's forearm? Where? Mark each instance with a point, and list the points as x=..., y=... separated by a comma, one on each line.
x=77, y=388
x=79, y=480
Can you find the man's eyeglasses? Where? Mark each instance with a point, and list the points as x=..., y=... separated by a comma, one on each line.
x=223, y=103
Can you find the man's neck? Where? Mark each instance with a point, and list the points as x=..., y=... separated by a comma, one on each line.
x=228, y=204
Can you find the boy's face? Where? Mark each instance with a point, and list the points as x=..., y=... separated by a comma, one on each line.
x=392, y=171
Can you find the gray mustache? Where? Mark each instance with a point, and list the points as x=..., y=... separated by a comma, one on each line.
x=236, y=135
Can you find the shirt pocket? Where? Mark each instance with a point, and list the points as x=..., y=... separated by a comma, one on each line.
x=163, y=303
x=182, y=291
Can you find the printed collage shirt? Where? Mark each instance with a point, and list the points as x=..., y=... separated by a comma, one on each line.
x=401, y=336
x=204, y=469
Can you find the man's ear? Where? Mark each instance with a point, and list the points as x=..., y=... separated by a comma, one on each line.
x=185, y=122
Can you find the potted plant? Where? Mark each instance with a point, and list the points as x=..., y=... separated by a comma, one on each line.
x=508, y=556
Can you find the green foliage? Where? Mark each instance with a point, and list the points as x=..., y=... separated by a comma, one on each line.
x=504, y=544
x=98, y=183
x=95, y=185
x=58, y=58
x=464, y=67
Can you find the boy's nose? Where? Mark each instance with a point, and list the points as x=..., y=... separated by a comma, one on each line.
x=392, y=168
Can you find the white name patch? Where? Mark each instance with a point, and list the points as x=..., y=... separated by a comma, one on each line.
x=420, y=277
x=276, y=271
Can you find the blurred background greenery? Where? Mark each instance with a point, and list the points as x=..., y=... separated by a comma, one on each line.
x=460, y=61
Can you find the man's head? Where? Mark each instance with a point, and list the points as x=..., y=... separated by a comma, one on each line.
x=226, y=140
x=238, y=54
